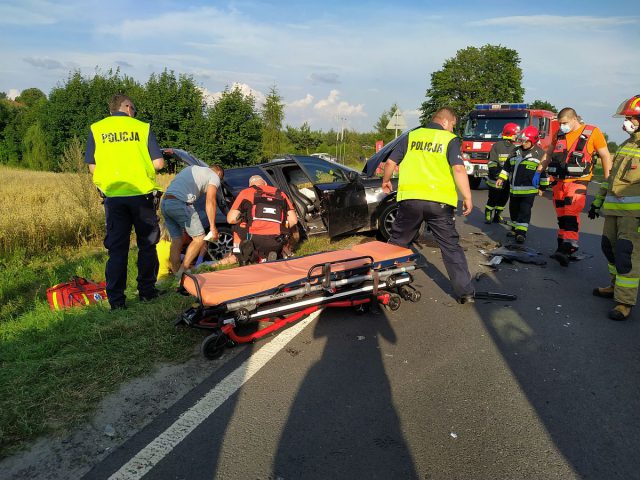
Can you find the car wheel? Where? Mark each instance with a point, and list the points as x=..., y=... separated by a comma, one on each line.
x=474, y=182
x=221, y=247
x=387, y=217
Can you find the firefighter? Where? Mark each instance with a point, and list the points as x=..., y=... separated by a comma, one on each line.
x=123, y=156
x=569, y=161
x=619, y=201
x=520, y=170
x=432, y=167
x=500, y=152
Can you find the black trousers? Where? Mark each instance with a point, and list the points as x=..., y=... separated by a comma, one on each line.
x=498, y=197
x=123, y=213
x=441, y=221
x=520, y=212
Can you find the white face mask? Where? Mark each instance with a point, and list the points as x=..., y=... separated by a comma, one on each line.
x=565, y=128
x=629, y=127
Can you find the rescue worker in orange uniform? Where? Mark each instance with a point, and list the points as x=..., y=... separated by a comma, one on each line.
x=569, y=160
x=269, y=216
x=499, y=153
x=619, y=201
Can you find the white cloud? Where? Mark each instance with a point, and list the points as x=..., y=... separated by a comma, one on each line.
x=332, y=106
x=554, y=21
x=212, y=97
x=303, y=102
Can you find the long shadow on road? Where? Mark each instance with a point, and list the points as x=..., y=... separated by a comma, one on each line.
x=579, y=371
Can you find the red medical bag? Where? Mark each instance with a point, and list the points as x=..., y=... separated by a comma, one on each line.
x=77, y=292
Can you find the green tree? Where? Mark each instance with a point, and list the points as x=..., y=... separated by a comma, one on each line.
x=272, y=114
x=490, y=73
x=303, y=139
x=31, y=97
x=34, y=149
x=381, y=125
x=543, y=105
x=175, y=107
x=234, y=130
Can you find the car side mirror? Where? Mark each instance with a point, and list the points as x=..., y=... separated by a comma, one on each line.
x=352, y=176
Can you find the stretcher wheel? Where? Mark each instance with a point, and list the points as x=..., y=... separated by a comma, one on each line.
x=409, y=293
x=213, y=346
x=362, y=309
x=394, y=302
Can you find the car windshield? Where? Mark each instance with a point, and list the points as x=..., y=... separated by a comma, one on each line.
x=489, y=127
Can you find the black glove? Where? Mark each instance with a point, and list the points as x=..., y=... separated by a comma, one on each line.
x=593, y=212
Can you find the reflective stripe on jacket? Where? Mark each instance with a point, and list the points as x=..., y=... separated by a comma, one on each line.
x=622, y=196
x=520, y=169
x=425, y=173
x=123, y=164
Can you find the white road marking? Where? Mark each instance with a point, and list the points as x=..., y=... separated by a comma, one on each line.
x=162, y=445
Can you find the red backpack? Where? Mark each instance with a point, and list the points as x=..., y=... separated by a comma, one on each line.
x=77, y=292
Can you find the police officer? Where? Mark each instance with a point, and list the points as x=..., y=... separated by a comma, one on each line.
x=619, y=201
x=432, y=167
x=123, y=156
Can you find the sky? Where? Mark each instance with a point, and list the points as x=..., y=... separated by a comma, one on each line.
x=335, y=63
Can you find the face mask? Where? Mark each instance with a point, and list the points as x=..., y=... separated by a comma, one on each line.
x=565, y=128
x=629, y=127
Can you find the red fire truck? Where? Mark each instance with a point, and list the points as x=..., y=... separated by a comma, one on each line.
x=484, y=127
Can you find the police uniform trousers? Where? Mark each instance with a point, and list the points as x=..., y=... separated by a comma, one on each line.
x=520, y=212
x=621, y=247
x=123, y=213
x=440, y=218
x=569, y=199
x=497, y=199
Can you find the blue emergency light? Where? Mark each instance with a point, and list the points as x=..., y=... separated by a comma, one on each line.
x=502, y=106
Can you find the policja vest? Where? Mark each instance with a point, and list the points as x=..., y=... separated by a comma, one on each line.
x=425, y=173
x=123, y=165
x=623, y=188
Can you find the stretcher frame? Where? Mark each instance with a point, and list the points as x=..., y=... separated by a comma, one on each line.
x=327, y=284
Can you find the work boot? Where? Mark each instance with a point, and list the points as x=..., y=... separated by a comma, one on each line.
x=497, y=217
x=520, y=238
x=488, y=213
x=511, y=233
x=563, y=254
x=603, y=292
x=620, y=312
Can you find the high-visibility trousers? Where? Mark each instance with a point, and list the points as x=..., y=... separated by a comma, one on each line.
x=621, y=246
x=569, y=199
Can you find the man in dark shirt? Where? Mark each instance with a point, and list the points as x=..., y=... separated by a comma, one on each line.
x=432, y=168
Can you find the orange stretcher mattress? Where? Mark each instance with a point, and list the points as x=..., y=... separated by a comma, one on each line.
x=226, y=285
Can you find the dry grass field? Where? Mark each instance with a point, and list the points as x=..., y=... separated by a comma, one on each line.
x=40, y=211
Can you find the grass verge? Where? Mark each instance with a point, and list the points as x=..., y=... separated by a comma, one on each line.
x=55, y=367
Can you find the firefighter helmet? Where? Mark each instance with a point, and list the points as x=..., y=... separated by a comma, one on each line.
x=629, y=107
x=529, y=133
x=510, y=130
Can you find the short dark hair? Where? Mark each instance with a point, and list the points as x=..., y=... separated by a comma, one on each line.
x=116, y=102
x=567, y=112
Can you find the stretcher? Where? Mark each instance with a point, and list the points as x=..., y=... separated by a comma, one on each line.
x=285, y=291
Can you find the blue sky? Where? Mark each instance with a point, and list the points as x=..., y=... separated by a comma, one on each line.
x=332, y=61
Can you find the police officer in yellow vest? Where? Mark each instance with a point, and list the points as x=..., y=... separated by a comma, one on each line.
x=619, y=201
x=123, y=156
x=431, y=167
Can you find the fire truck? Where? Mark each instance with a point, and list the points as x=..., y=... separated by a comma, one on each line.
x=484, y=127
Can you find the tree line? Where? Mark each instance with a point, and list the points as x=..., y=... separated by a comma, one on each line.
x=35, y=128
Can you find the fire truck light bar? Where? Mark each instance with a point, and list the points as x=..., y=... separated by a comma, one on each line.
x=502, y=106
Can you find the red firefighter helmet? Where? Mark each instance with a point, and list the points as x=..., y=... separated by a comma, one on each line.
x=629, y=108
x=529, y=133
x=510, y=130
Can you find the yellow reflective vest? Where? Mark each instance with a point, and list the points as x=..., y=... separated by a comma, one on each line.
x=425, y=173
x=622, y=191
x=123, y=165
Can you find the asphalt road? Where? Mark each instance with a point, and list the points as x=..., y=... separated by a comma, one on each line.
x=542, y=387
